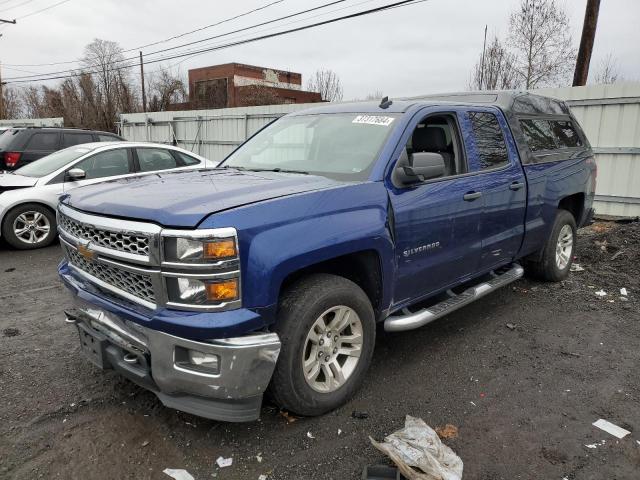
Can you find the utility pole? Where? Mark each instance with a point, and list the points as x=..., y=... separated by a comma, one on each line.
x=144, y=96
x=1, y=95
x=484, y=46
x=1, y=84
x=586, y=42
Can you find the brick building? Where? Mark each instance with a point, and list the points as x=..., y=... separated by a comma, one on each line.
x=238, y=85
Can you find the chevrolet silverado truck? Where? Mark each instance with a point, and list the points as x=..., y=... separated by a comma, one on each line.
x=269, y=273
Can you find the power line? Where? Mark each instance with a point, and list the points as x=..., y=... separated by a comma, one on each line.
x=42, y=9
x=23, y=77
x=16, y=6
x=226, y=20
x=240, y=42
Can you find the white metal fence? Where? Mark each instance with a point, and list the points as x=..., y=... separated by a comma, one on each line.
x=33, y=122
x=609, y=114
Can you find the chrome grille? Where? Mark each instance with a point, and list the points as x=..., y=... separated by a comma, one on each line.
x=136, y=284
x=123, y=242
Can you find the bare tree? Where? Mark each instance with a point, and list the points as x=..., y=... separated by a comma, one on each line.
x=543, y=47
x=11, y=103
x=498, y=71
x=327, y=84
x=607, y=71
x=113, y=89
x=376, y=95
x=165, y=89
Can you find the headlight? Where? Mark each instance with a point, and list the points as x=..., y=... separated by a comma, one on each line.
x=189, y=250
x=197, y=291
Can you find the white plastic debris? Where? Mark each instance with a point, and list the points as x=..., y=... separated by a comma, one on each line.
x=601, y=293
x=339, y=432
x=310, y=435
x=262, y=477
x=417, y=446
x=609, y=427
x=224, y=462
x=576, y=268
x=623, y=291
x=259, y=458
x=178, y=474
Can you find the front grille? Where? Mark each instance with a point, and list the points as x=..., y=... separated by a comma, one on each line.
x=136, y=284
x=123, y=242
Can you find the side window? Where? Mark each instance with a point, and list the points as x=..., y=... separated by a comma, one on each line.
x=105, y=164
x=438, y=134
x=151, y=159
x=71, y=139
x=538, y=134
x=186, y=159
x=490, y=143
x=107, y=138
x=565, y=135
x=43, y=141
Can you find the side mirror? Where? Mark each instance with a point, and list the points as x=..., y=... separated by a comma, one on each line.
x=76, y=174
x=418, y=167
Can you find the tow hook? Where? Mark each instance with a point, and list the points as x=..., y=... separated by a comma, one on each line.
x=70, y=317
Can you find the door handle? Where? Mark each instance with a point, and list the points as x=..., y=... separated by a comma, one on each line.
x=471, y=196
x=516, y=186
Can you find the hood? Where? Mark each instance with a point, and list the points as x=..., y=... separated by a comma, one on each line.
x=11, y=181
x=184, y=199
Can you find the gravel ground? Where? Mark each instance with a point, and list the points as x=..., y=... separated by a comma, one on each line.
x=523, y=396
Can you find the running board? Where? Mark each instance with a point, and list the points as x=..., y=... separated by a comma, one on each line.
x=408, y=321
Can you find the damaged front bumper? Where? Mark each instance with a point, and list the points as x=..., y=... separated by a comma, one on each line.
x=221, y=379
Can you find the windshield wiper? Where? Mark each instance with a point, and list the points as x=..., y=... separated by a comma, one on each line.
x=277, y=169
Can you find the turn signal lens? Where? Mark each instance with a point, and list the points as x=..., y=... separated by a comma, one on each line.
x=220, y=249
x=222, y=291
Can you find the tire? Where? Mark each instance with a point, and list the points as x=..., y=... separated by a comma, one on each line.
x=301, y=307
x=39, y=222
x=550, y=268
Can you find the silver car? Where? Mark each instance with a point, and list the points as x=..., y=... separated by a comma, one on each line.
x=29, y=195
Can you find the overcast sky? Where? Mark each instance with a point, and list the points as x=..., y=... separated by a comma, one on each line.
x=428, y=47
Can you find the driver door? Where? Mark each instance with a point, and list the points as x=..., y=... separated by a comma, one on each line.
x=105, y=165
x=437, y=221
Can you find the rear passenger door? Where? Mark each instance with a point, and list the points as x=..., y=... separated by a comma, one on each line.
x=501, y=182
x=41, y=144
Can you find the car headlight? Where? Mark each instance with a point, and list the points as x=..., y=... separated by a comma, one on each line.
x=191, y=250
x=202, y=291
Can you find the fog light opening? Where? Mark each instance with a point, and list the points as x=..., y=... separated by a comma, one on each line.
x=197, y=361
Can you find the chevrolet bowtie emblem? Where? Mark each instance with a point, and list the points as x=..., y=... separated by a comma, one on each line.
x=87, y=253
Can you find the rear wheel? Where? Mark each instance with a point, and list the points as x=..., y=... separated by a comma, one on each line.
x=327, y=329
x=29, y=226
x=557, y=255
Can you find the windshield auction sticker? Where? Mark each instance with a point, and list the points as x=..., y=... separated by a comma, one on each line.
x=373, y=120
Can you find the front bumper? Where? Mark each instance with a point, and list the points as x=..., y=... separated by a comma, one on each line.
x=150, y=358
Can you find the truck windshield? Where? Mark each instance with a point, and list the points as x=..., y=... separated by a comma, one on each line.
x=338, y=146
x=51, y=163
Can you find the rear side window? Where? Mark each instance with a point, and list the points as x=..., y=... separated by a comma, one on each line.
x=71, y=139
x=490, y=143
x=7, y=137
x=43, y=141
x=550, y=134
x=186, y=159
x=107, y=138
x=151, y=159
x=565, y=134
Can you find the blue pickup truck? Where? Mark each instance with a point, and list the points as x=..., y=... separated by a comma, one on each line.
x=269, y=273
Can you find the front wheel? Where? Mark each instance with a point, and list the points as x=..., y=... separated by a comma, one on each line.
x=29, y=226
x=557, y=255
x=327, y=329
